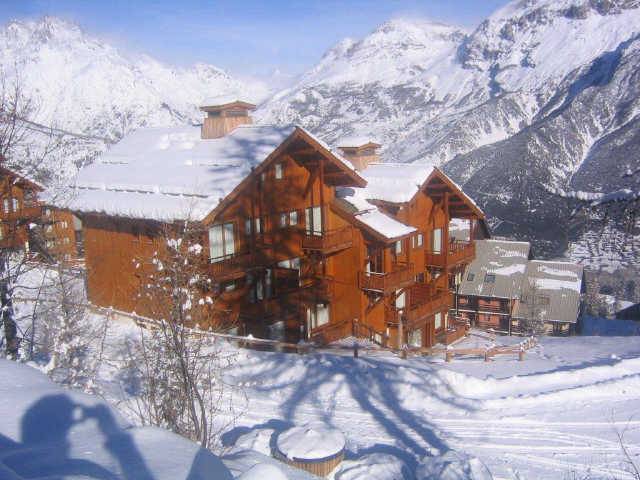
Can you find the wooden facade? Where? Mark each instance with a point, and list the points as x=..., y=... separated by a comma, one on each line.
x=290, y=261
x=19, y=208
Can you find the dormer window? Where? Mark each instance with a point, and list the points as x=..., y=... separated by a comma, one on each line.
x=279, y=171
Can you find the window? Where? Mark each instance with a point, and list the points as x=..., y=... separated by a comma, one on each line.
x=415, y=338
x=283, y=220
x=263, y=177
x=438, y=320
x=313, y=220
x=247, y=227
x=1, y=233
x=416, y=241
x=221, y=242
x=470, y=277
x=400, y=299
x=317, y=316
x=229, y=287
x=292, y=263
x=5, y=204
x=436, y=242
x=490, y=278
x=279, y=171
x=398, y=247
x=293, y=217
x=16, y=204
x=258, y=224
x=420, y=277
x=47, y=212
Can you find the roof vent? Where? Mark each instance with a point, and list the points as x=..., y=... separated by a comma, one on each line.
x=360, y=151
x=224, y=114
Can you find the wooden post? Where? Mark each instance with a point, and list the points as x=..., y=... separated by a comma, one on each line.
x=487, y=357
x=521, y=355
x=448, y=356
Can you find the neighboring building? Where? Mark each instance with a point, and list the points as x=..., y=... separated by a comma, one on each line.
x=505, y=290
x=301, y=242
x=62, y=233
x=491, y=286
x=632, y=312
x=552, y=295
x=19, y=208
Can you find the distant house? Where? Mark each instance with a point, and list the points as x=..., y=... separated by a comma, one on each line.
x=632, y=312
x=552, y=294
x=19, y=207
x=505, y=290
x=491, y=286
x=304, y=241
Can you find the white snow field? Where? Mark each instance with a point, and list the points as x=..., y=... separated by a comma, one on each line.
x=556, y=415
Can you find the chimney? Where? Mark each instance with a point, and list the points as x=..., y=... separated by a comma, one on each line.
x=224, y=114
x=360, y=152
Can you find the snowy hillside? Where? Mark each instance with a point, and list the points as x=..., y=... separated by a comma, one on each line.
x=535, y=95
x=83, y=85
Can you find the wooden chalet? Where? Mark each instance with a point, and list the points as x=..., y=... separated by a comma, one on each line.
x=19, y=208
x=304, y=241
x=505, y=290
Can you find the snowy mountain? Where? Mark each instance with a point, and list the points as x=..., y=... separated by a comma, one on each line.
x=543, y=95
x=85, y=86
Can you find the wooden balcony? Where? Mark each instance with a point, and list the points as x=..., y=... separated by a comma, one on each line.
x=459, y=251
x=425, y=300
x=27, y=212
x=232, y=267
x=401, y=276
x=317, y=289
x=330, y=241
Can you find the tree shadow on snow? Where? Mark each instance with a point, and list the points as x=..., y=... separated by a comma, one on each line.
x=345, y=393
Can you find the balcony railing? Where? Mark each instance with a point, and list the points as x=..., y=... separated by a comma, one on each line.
x=25, y=212
x=234, y=266
x=329, y=241
x=427, y=299
x=401, y=276
x=458, y=251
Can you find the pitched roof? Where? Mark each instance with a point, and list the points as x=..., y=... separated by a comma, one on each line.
x=505, y=260
x=391, y=183
x=168, y=174
x=552, y=291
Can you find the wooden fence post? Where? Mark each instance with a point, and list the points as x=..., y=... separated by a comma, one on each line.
x=521, y=355
x=448, y=356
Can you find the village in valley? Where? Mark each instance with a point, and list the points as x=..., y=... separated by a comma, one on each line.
x=230, y=298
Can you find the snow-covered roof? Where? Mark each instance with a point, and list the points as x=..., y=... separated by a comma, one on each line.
x=394, y=182
x=227, y=99
x=388, y=182
x=355, y=142
x=171, y=173
x=384, y=224
x=552, y=291
x=504, y=261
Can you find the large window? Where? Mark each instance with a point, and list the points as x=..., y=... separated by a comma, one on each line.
x=279, y=171
x=400, y=299
x=313, y=220
x=438, y=321
x=415, y=338
x=317, y=316
x=221, y=242
x=436, y=241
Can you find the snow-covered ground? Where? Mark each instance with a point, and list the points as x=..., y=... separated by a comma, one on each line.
x=556, y=415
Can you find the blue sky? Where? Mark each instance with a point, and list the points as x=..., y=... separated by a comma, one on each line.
x=246, y=37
